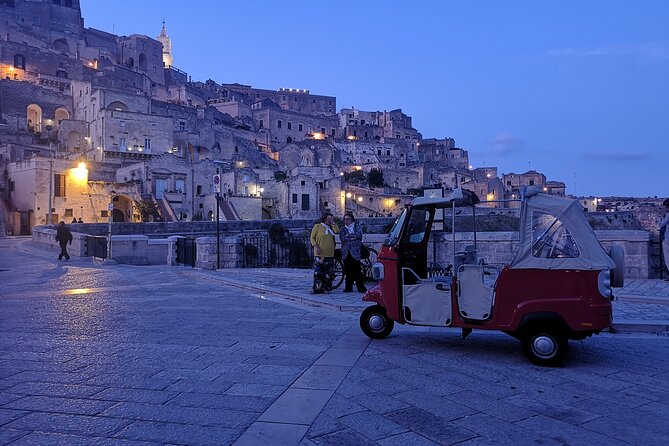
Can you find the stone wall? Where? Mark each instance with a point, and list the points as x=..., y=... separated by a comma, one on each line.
x=496, y=248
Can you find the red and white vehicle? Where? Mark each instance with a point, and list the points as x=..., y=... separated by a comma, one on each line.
x=556, y=288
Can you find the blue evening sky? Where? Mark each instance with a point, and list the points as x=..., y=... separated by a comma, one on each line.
x=578, y=90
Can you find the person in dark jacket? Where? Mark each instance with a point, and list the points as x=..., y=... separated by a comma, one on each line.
x=351, y=243
x=664, y=234
x=63, y=237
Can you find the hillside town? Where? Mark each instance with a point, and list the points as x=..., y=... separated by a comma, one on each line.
x=97, y=126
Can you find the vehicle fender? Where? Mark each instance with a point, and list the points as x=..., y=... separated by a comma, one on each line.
x=543, y=318
x=374, y=295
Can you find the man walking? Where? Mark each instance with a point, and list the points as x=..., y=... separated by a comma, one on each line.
x=664, y=234
x=63, y=237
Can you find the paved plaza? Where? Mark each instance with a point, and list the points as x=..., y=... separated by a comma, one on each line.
x=94, y=354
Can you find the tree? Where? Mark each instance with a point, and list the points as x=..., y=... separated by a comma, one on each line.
x=147, y=208
x=355, y=177
x=375, y=177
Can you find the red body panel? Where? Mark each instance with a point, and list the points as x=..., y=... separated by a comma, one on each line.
x=572, y=294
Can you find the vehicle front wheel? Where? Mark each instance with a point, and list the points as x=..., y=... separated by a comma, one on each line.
x=375, y=323
x=545, y=346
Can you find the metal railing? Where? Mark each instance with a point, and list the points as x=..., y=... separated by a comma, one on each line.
x=288, y=251
x=186, y=251
x=96, y=246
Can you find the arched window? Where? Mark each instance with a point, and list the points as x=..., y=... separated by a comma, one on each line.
x=130, y=63
x=142, y=62
x=34, y=117
x=117, y=105
x=61, y=114
x=61, y=45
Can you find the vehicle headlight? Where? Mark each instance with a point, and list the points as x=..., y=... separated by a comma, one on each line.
x=377, y=271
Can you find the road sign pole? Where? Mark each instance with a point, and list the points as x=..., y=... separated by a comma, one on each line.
x=217, y=186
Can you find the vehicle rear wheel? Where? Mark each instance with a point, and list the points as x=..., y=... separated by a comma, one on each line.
x=375, y=323
x=617, y=254
x=545, y=346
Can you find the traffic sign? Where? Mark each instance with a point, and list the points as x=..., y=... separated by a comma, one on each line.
x=217, y=183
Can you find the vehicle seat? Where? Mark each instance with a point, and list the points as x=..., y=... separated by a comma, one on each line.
x=465, y=257
x=475, y=299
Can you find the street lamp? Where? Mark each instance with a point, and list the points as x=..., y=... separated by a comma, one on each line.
x=110, y=212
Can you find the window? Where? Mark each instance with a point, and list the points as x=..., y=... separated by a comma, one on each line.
x=180, y=186
x=388, y=152
x=262, y=123
x=332, y=132
x=58, y=185
x=290, y=125
x=104, y=214
x=323, y=130
x=68, y=213
x=415, y=231
x=147, y=144
x=11, y=186
x=362, y=122
x=305, y=202
x=302, y=183
x=278, y=124
x=378, y=151
x=182, y=126
x=508, y=183
x=299, y=127
x=551, y=238
x=121, y=143
x=294, y=198
x=20, y=61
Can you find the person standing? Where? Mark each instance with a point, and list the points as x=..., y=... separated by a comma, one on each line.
x=664, y=234
x=63, y=237
x=323, y=242
x=351, y=245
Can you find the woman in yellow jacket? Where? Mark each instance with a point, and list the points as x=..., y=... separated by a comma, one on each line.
x=323, y=241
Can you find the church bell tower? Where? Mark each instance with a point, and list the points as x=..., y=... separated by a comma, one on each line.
x=167, y=46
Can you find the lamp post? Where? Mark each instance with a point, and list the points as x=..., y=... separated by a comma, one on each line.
x=110, y=211
x=49, y=214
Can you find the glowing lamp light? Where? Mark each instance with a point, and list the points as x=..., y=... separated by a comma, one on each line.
x=545, y=189
x=359, y=199
x=471, y=167
x=341, y=174
x=318, y=135
x=11, y=68
x=262, y=189
x=348, y=195
x=80, y=173
x=350, y=137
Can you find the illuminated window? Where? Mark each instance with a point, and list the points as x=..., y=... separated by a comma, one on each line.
x=58, y=185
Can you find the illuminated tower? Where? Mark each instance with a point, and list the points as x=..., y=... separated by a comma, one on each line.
x=167, y=46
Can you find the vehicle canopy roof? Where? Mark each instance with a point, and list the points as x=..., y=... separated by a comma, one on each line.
x=459, y=197
x=555, y=234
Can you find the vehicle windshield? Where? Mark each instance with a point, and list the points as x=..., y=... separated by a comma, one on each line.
x=415, y=232
x=394, y=234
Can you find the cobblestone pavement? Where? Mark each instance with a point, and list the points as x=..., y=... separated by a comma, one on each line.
x=122, y=355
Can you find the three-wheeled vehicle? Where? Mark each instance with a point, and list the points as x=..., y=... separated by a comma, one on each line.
x=556, y=288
